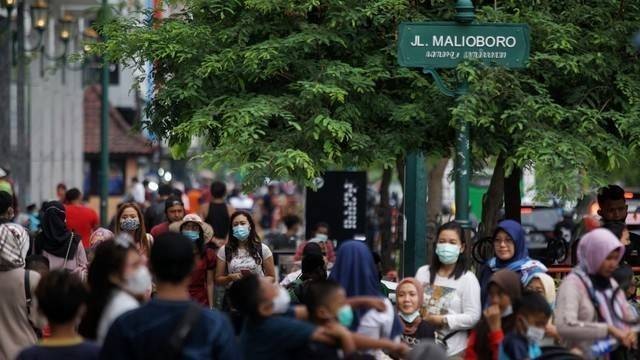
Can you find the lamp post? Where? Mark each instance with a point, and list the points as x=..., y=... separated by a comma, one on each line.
x=104, y=131
x=415, y=204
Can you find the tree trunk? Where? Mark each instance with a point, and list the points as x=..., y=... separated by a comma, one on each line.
x=512, y=200
x=492, y=201
x=434, y=201
x=434, y=198
x=384, y=219
x=400, y=169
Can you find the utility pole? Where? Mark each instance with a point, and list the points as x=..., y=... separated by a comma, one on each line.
x=22, y=155
x=415, y=210
x=5, y=89
x=104, y=131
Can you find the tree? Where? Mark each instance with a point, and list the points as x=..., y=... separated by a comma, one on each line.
x=284, y=89
x=290, y=88
x=573, y=113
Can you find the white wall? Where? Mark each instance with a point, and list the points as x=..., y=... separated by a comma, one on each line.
x=57, y=132
x=121, y=95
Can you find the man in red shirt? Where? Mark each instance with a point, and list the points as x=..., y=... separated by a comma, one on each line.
x=174, y=209
x=80, y=219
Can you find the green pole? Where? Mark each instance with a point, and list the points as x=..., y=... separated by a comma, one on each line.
x=415, y=210
x=462, y=164
x=464, y=15
x=104, y=133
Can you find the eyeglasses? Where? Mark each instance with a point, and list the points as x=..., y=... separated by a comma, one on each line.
x=502, y=241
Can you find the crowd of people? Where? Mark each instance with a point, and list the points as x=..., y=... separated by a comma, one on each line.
x=174, y=284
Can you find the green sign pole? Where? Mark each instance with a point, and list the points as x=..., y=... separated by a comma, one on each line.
x=444, y=45
x=415, y=210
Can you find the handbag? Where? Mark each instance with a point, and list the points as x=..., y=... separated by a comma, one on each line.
x=66, y=257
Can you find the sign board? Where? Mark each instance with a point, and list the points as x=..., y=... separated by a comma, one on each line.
x=341, y=202
x=439, y=45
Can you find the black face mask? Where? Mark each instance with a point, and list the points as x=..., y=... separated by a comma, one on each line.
x=620, y=222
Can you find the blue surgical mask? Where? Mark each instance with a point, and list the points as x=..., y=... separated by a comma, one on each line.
x=241, y=232
x=345, y=316
x=322, y=237
x=448, y=253
x=409, y=318
x=191, y=234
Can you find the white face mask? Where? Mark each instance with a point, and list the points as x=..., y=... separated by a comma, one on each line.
x=322, y=237
x=508, y=311
x=282, y=301
x=409, y=318
x=534, y=333
x=139, y=283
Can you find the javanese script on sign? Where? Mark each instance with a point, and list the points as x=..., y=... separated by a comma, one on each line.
x=438, y=45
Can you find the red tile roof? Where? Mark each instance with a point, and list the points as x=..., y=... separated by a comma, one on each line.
x=122, y=139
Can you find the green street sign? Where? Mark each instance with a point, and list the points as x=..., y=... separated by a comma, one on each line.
x=438, y=45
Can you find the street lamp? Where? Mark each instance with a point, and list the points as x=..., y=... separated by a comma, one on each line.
x=39, y=10
x=8, y=5
x=40, y=16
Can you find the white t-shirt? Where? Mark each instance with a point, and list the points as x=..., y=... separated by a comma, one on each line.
x=244, y=261
x=458, y=300
x=120, y=303
x=378, y=325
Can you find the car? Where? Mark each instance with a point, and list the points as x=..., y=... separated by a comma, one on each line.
x=539, y=224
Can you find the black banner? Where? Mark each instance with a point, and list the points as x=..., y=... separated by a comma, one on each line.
x=341, y=202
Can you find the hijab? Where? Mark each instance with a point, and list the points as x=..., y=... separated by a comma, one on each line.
x=56, y=238
x=595, y=247
x=411, y=328
x=593, y=250
x=520, y=262
x=509, y=283
x=14, y=244
x=549, y=286
x=356, y=271
x=516, y=232
x=99, y=236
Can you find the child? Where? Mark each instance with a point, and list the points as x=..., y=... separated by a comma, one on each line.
x=268, y=336
x=328, y=306
x=532, y=313
x=313, y=269
x=61, y=297
x=504, y=289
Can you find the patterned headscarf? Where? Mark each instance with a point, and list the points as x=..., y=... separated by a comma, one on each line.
x=14, y=244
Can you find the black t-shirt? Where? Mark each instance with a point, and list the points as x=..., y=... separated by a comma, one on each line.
x=84, y=350
x=424, y=331
x=275, y=338
x=632, y=251
x=318, y=351
x=154, y=215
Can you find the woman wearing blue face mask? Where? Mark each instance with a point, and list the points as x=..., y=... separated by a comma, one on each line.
x=201, y=286
x=452, y=292
x=244, y=254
